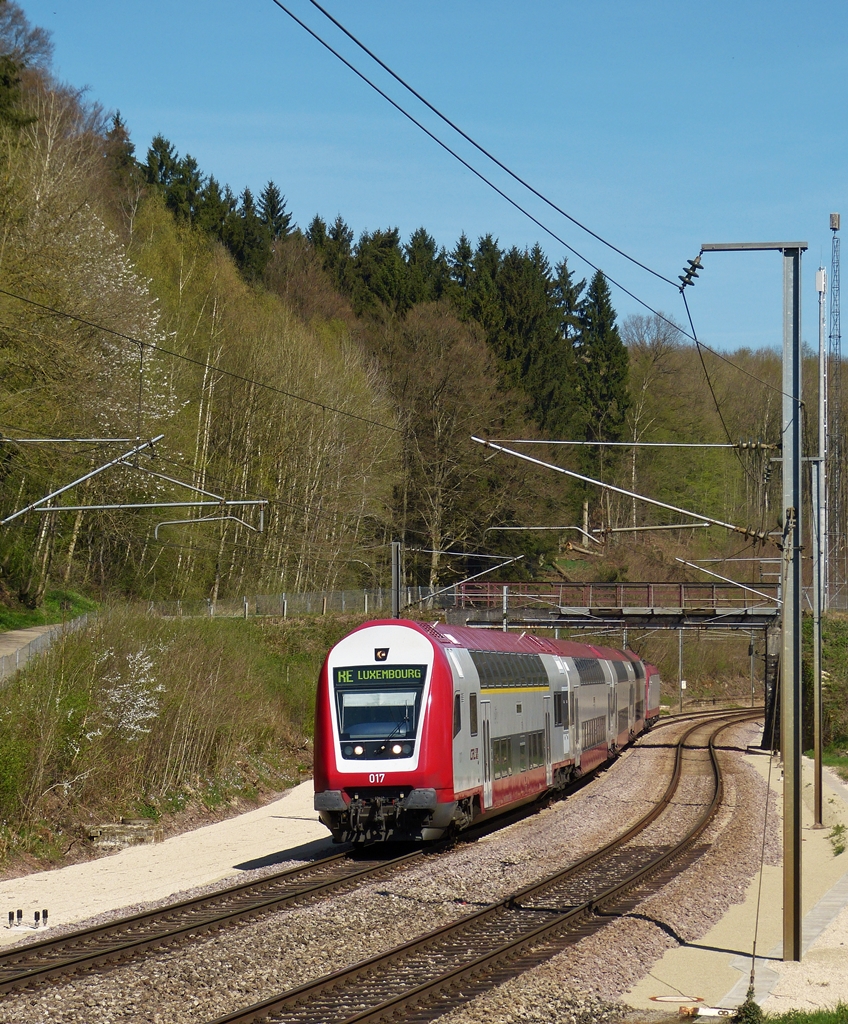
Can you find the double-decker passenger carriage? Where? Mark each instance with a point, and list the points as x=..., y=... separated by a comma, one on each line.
x=423, y=729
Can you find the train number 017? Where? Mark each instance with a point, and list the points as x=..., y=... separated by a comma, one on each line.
x=376, y=776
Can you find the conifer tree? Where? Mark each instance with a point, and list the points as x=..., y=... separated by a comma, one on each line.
x=378, y=275
x=120, y=151
x=247, y=238
x=427, y=269
x=11, y=111
x=338, y=253
x=461, y=274
x=213, y=208
x=601, y=370
x=184, y=189
x=162, y=162
x=272, y=210
x=316, y=233
x=569, y=302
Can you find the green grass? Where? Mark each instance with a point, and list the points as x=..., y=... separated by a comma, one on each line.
x=142, y=717
x=835, y=755
x=839, y=1015
x=58, y=606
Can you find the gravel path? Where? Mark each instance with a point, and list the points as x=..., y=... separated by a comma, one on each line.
x=214, y=975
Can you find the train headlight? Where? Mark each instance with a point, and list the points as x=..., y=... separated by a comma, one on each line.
x=359, y=750
x=397, y=748
x=348, y=751
x=407, y=748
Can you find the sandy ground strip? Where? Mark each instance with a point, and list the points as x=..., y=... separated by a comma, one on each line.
x=717, y=967
x=286, y=830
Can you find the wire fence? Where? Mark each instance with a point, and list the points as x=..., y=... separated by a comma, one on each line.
x=375, y=602
x=10, y=663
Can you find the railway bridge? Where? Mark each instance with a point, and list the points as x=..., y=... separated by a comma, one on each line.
x=603, y=606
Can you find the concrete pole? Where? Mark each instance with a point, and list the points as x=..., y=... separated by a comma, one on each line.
x=817, y=468
x=790, y=717
x=821, y=288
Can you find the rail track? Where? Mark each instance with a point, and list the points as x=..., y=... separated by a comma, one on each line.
x=123, y=938
x=423, y=978
x=91, y=947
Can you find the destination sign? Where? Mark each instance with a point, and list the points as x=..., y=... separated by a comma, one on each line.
x=358, y=675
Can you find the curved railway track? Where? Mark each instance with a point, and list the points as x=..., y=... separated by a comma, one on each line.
x=425, y=977
x=93, y=947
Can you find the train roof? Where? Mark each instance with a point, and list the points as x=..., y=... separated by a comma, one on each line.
x=483, y=639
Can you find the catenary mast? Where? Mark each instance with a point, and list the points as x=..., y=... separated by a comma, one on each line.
x=836, y=575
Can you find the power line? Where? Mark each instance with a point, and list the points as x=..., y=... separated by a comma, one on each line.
x=485, y=152
x=478, y=174
x=197, y=362
x=640, y=444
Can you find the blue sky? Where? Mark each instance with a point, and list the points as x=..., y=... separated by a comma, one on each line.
x=660, y=125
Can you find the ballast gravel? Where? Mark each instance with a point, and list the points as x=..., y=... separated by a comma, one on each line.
x=214, y=975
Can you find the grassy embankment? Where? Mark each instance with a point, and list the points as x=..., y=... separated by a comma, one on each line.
x=834, y=691
x=838, y=1015
x=59, y=606
x=143, y=717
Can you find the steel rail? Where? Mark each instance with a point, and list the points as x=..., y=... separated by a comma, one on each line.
x=288, y=1005
x=24, y=965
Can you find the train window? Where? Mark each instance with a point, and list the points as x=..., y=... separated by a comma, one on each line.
x=522, y=753
x=566, y=710
x=457, y=713
x=558, y=708
x=502, y=757
x=590, y=670
x=472, y=713
x=518, y=709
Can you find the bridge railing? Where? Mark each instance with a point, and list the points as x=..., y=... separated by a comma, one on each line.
x=619, y=595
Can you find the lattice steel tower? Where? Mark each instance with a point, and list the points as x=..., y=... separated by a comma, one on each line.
x=836, y=449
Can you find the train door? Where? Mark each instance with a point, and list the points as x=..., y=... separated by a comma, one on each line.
x=549, y=769
x=486, y=730
x=574, y=720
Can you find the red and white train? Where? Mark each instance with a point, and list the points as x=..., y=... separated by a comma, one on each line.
x=422, y=729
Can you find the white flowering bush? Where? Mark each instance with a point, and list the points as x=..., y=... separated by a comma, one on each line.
x=133, y=698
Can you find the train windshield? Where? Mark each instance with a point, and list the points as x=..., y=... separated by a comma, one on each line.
x=379, y=702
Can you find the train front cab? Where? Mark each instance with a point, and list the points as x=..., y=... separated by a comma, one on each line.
x=382, y=736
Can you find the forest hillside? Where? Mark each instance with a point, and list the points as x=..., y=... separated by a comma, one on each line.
x=336, y=379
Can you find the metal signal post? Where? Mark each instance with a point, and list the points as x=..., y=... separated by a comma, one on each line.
x=790, y=684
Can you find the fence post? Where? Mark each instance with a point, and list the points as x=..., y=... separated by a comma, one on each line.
x=365, y=592
x=244, y=600
x=324, y=605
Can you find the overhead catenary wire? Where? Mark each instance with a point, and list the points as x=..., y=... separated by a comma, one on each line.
x=484, y=151
x=507, y=170
x=747, y=531
x=746, y=469
x=204, y=364
x=479, y=174
x=641, y=444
